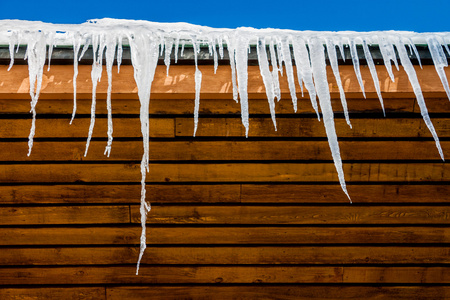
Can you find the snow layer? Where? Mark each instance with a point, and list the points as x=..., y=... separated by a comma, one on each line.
x=148, y=41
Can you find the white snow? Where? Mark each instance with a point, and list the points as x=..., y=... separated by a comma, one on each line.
x=148, y=40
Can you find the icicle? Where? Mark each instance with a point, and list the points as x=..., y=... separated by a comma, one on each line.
x=119, y=52
x=231, y=53
x=50, y=49
x=332, y=56
x=96, y=75
x=144, y=57
x=340, y=45
x=373, y=72
x=221, y=47
x=36, y=51
x=304, y=71
x=198, y=84
x=168, y=46
x=388, y=54
x=409, y=69
x=440, y=61
x=182, y=48
x=76, y=50
x=411, y=44
x=280, y=56
x=110, y=53
x=320, y=79
x=176, y=48
x=12, y=43
x=286, y=53
x=216, y=59
x=273, y=62
x=355, y=61
x=241, y=57
x=267, y=77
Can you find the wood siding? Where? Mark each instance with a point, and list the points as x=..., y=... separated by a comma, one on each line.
x=232, y=218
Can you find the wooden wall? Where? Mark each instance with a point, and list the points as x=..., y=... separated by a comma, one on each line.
x=232, y=218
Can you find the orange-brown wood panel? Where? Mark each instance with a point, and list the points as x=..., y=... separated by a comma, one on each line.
x=208, y=106
x=87, y=293
x=223, y=274
x=225, y=172
x=225, y=193
x=114, y=235
x=249, y=255
x=281, y=292
x=57, y=83
x=222, y=150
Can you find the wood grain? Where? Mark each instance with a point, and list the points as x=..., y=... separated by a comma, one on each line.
x=226, y=172
x=225, y=193
x=181, y=82
x=281, y=292
x=283, y=255
x=114, y=235
x=170, y=150
x=223, y=274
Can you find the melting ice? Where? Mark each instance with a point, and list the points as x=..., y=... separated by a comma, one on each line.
x=148, y=41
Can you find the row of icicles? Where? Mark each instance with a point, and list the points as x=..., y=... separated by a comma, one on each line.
x=148, y=43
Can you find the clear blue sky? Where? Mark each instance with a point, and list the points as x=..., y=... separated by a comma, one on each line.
x=420, y=16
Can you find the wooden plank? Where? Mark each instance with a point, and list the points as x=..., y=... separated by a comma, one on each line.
x=181, y=82
x=223, y=150
x=169, y=274
x=223, y=235
x=60, y=128
x=224, y=127
x=225, y=255
x=64, y=215
x=435, y=105
x=222, y=274
x=227, y=172
x=420, y=275
x=207, y=106
x=224, y=193
x=279, y=292
x=28, y=194
x=87, y=293
x=292, y=193
x=296, y=215
x=228, y=215
x=310, y=127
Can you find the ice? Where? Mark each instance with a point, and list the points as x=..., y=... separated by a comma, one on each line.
x=36, y=51
x=373, y=72
x=355, y=60
x=168, y=46
x=144, y=58
x=286, y=53
x=321, y=81
x=241, y=57
x=198, y=84
x=267, y=77
x=388, y=54
x=439, y=60
x=111, y=44
x=98, y=46
x=273, y=62
x=332, y=56
x=77, y=39
x=232, y=54
x=409, y=69
x=304, y=71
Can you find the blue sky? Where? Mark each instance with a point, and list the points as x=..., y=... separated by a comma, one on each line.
x=360, y=15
